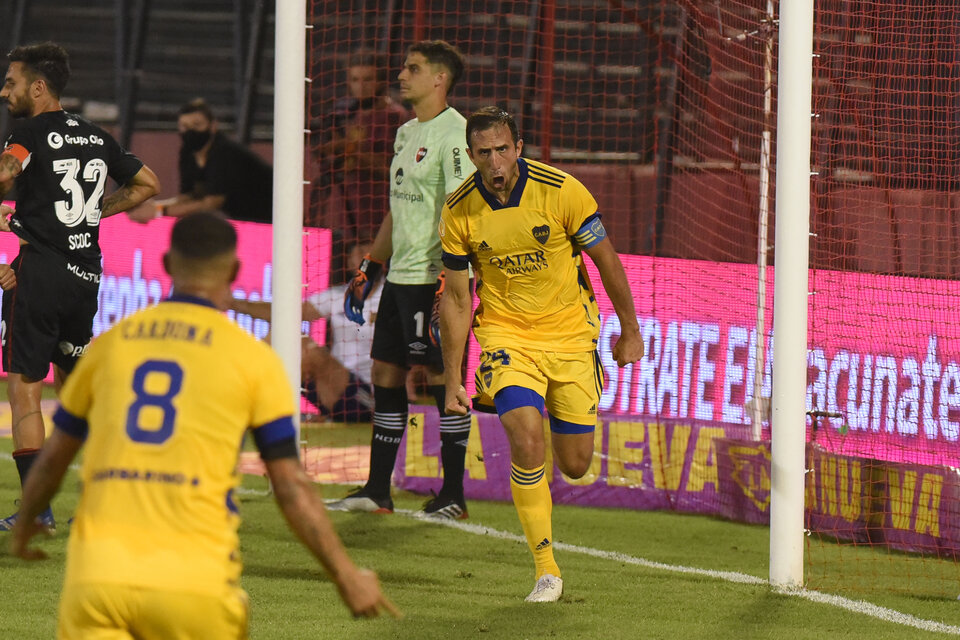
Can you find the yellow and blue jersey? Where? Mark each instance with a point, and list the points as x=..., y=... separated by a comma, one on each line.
x=163, y=401
x=534, y=290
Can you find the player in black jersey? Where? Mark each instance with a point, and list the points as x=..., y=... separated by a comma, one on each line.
x=59, y=163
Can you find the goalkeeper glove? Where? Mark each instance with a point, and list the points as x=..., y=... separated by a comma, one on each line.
x=359, y=288
x=435, y=311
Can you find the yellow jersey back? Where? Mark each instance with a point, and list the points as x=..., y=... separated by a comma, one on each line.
x=164, y=399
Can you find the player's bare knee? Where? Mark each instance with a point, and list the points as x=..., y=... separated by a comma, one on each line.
x=576, y=467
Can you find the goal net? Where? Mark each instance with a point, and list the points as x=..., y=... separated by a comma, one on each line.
x=666, y=111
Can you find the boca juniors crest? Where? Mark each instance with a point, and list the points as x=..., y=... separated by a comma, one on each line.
x=541, y=233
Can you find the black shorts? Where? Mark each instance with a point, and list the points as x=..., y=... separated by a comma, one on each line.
x=401, y=334
x=47, y=317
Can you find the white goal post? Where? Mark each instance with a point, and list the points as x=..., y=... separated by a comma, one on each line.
x=288, y=187
x=792, y=247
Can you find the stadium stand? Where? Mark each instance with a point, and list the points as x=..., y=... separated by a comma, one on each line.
x=634, y=84
x=189, y=51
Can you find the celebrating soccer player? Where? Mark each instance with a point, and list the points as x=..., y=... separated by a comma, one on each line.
x=523, y=225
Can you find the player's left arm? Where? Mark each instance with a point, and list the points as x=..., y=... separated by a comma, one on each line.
x=42, y=484
x=629, y=346
x=143, y=185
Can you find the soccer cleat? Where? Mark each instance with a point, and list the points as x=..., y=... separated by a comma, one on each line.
x=441, y=508
x=549, y=588
x=46, y=518
x=362, y=501
x=7, y=523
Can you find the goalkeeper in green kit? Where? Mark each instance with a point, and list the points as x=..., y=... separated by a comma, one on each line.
x=429, y=161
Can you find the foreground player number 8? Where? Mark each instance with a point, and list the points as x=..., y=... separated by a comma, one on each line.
x=162, y=401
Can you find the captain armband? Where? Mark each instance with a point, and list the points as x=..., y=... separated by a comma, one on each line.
x=590, y=233
x=18, y=151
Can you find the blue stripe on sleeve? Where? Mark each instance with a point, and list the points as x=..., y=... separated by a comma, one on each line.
x=590, y=233
x=280, y=429
x=70, y=424
x=455, y=262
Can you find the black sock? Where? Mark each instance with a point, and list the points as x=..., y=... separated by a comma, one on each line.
x=389, y=421
x=25, y=459
x=454, y=433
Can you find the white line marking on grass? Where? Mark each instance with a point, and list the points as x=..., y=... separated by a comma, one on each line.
x=856, y=606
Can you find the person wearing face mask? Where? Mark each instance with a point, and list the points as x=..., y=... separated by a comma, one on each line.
x=217, y=173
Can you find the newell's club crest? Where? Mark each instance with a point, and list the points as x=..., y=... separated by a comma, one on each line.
x=421, y=153
x=541, y=233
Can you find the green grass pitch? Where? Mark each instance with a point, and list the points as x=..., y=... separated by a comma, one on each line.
x=456, y=584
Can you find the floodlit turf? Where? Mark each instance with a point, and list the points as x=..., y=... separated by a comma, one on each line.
x=456, y=584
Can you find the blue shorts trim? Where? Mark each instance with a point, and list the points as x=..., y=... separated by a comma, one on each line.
x=513, y=397
x=562, y=426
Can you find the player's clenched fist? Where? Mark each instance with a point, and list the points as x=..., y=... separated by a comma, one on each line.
x=359, y=288
x=628, y=348
x=457, y=402
x=8, y=277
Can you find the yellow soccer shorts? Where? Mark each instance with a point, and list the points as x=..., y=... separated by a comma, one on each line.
x=125, y=612
x=567, y=384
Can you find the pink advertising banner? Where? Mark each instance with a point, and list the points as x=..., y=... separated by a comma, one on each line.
x=883, y=353
x=133, y=275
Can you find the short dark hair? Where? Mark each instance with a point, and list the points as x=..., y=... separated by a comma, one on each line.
x=487, y=117
x=203, y=235
x=197, y=105
x=441, y=52
x=46, y=60
x=364, y=57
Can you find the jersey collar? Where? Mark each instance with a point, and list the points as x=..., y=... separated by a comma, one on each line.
x=515, y=195
x=182, y=297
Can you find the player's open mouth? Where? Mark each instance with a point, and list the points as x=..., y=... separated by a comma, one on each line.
x=499, y=181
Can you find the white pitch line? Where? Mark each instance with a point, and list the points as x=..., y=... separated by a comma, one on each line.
x=856, y=606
